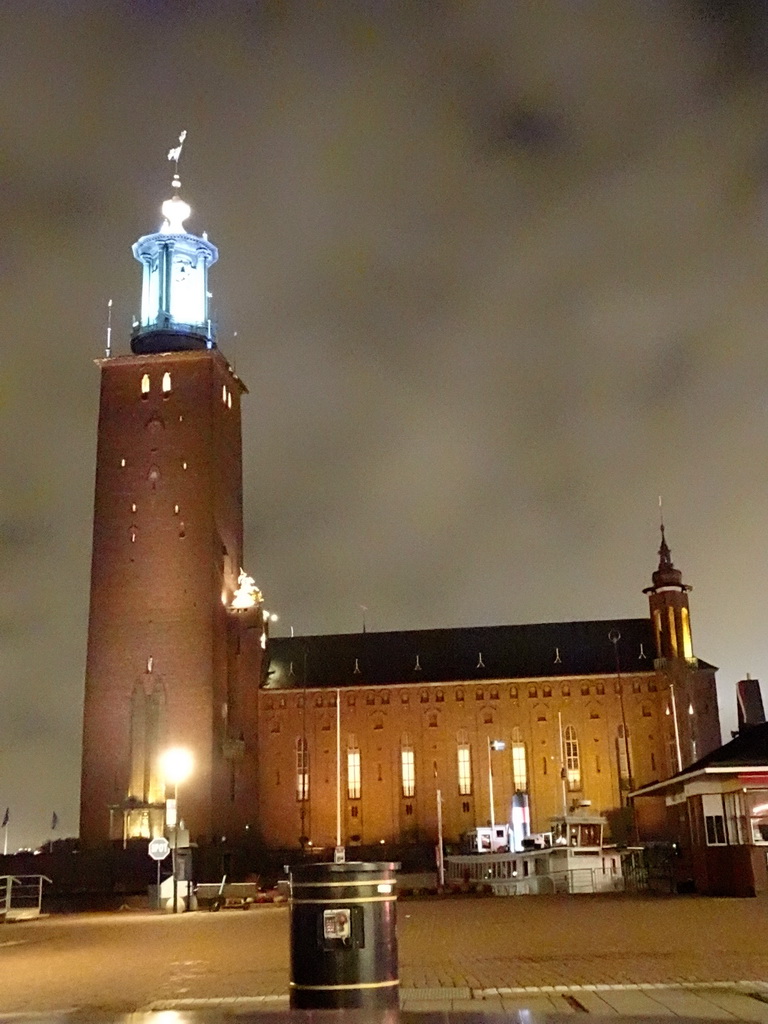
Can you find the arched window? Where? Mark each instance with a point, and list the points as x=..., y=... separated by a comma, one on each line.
x=622, y=756
x=302, y=769
x=145, y=385
x=572, y=759
x=407, y=766
x=354, y=785
x=464, y=763
x=166, y=383
x=519, y=764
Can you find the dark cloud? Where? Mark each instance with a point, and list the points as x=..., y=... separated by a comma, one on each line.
x=498, y=277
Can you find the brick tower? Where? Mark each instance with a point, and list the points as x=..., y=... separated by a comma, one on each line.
x=176, y=629
x=687, y=686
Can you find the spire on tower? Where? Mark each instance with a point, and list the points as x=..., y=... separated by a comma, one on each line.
x=667, y=575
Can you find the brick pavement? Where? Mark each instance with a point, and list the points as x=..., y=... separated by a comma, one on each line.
x=493, y=953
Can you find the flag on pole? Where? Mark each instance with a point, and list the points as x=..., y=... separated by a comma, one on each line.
x=54, y=821
x=6, y=817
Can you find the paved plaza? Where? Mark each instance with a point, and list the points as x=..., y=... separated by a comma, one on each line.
x=654, y=956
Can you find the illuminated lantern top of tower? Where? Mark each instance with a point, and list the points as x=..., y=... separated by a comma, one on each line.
x=174, y=293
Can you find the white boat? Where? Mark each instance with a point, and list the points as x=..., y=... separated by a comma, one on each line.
x=569, y=858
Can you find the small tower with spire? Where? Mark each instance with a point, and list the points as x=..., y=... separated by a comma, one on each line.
x=668, y=599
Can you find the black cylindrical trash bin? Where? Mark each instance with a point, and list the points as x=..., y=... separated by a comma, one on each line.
x=343, y=936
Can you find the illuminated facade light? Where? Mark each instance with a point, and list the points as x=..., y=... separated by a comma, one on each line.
x=247, y=594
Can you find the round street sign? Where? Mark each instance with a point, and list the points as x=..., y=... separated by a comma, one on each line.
x=159, y=848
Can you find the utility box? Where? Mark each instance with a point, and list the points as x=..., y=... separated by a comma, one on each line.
x=343, y=936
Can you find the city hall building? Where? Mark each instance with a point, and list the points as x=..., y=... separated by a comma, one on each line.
x=357, y=739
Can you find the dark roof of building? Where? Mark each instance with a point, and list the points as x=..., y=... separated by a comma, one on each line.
x=748, y=750
x=463, y=654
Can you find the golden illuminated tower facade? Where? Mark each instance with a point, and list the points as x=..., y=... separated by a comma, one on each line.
x=176, y=630
x=690, y=693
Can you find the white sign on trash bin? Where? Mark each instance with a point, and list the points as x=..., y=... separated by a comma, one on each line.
x=337, y=923
x=159, y=848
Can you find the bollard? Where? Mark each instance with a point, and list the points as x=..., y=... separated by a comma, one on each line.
x=343, y=936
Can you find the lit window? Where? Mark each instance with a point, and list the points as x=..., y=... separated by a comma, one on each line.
x=519, y=766
x=302, y=769
x=224, y=394
x=133, y=535
x=622, y=750
x=145, y=384
x=572, y=760
x=166, y=383
x=122, y=463
x=229, y=400
x=408, y=767
x=686, y=623
x=175, y=510
x=353, y=769
x=184, y=465
x=133, y=507
x=464, y=764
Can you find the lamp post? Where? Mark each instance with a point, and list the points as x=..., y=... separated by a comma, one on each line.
x=493, y=745
x=177, y=767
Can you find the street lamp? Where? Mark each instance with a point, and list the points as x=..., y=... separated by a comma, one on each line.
x=493, y=745
x=176, y=765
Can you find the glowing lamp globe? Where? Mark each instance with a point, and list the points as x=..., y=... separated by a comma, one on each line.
x=175, y=212
x=176, y=765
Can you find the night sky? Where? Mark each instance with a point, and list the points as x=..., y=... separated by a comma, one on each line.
x=496, y=275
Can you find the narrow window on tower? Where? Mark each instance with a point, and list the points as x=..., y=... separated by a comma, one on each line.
x=464, y=763
x=353, y=769
x=166, y=383
x=302, y=769
x=572, y=759
x=519, y=765
x=686, y=624
x=145, y=385
x=229, y=399
x=224, y=394
x=408, y=767
x=672, y=630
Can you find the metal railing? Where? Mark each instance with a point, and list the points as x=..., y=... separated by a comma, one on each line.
x=21, y=896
